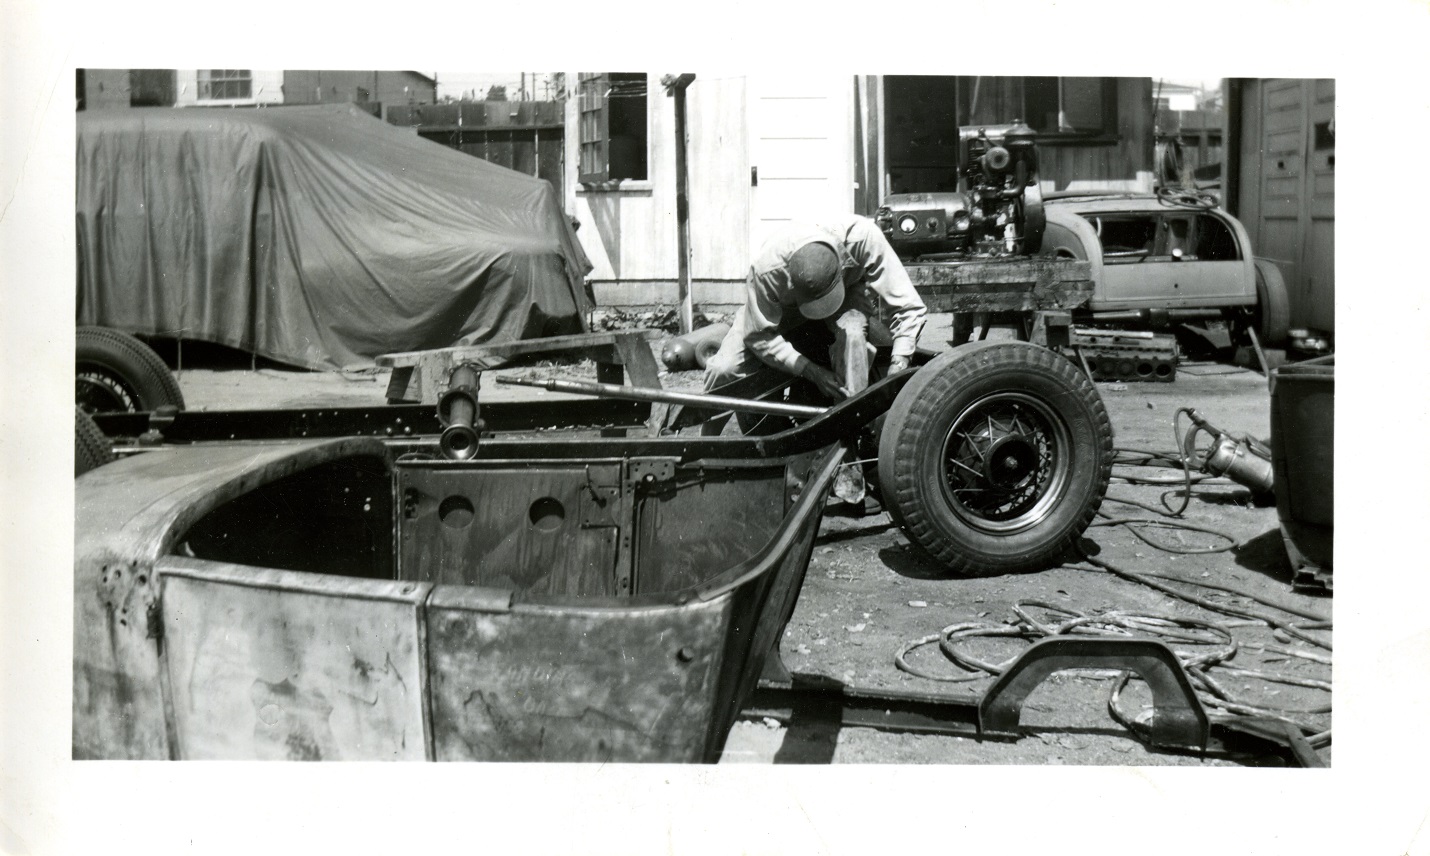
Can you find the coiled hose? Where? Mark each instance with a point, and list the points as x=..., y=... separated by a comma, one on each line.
x=1171, y=629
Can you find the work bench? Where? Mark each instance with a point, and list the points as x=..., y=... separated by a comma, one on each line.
x=421, y=376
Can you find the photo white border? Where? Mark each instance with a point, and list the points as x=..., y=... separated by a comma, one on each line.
x=1373, y=801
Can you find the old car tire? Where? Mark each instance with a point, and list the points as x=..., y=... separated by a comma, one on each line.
x=116, y=372
x=1273, y=308
x=1020, y=509
x=91, y=447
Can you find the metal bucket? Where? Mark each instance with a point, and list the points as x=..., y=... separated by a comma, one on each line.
x=1303, y=415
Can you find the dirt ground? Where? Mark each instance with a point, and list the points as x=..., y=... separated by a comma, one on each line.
x=868, y=592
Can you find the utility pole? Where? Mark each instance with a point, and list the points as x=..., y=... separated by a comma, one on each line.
x=675, y=86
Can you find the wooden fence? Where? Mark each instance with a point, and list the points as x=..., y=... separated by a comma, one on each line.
x=526, y=136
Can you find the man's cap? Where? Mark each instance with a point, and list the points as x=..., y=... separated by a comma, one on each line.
x=818, y=282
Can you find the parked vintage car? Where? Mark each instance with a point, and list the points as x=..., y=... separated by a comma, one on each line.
x=1167, y=257
x=314, y=235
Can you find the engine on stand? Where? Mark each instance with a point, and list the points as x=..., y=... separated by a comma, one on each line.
x=997, y=212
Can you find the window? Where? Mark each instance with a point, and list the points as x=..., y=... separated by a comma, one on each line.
x=223, y=84
x=1084, y=106
x=1126, y=237
x=1215, y=242
x=1131, y=238
x=613, y=127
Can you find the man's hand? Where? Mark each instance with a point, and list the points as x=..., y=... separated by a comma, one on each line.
x=898, y=364
x=827, y=381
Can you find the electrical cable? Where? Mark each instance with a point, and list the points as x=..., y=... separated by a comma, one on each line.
x=1131, y=523
x=1215, y=637
x=1226, y=609
x=1217, y=641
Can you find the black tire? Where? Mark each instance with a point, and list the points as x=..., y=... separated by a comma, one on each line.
x=91, y=447
x=116, y=372
x=1052, y=430
x=1273, y=307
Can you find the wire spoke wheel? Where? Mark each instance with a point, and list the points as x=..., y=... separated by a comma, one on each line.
x=115, y=372
x=995, y=457
x=97, y=391
x=1006, y=462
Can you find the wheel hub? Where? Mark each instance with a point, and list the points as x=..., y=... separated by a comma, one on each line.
x=1006, y=462
x=1011, y=459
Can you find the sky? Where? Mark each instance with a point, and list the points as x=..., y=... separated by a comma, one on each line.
x=458, y=83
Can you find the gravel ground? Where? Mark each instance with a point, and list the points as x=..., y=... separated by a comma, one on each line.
x=868, y=592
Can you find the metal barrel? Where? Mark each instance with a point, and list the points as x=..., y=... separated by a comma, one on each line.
x=693, y=399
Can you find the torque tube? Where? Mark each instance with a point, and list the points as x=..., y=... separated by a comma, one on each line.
x=636, y=393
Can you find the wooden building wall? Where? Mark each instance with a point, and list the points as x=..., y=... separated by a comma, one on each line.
x=526, y=136
x=338, y=86
x=1281, y=180
x=1123, y=163
x=1120, y=161
x=103, y=88
x=763, y=150
x=629, y=228
x=267, y=89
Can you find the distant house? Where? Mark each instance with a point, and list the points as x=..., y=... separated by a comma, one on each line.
x=98, y=89
x=389, y=88
x=766, y=149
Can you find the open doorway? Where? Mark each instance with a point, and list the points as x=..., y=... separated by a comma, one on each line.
x=920, y=133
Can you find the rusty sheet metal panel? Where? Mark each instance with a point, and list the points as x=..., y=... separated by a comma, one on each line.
x=702, y=519
x=1005, y=285
x=539, y=683
x=549, y=529
x=280, y=665
x=763, y=603
x=127, y=514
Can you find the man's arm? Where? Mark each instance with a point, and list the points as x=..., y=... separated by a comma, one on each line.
x=763, y=314
x=886, y=277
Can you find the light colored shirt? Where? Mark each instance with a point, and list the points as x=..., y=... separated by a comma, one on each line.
x=874, y=279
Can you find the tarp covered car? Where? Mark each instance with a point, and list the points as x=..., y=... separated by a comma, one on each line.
x=316, y=236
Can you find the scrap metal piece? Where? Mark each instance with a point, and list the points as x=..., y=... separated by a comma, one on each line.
x=1179, y=721
x=1125, y=356
x=849, y=484
x=1179, y=724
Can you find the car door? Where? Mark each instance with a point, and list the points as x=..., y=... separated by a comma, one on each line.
x=1199, y=263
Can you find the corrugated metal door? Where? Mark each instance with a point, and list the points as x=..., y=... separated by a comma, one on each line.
x=800, y=144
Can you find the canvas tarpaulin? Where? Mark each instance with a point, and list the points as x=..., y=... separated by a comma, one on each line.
x=317, y=236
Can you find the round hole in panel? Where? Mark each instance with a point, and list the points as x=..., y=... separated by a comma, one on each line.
x=547, y=514
x=456, y=512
